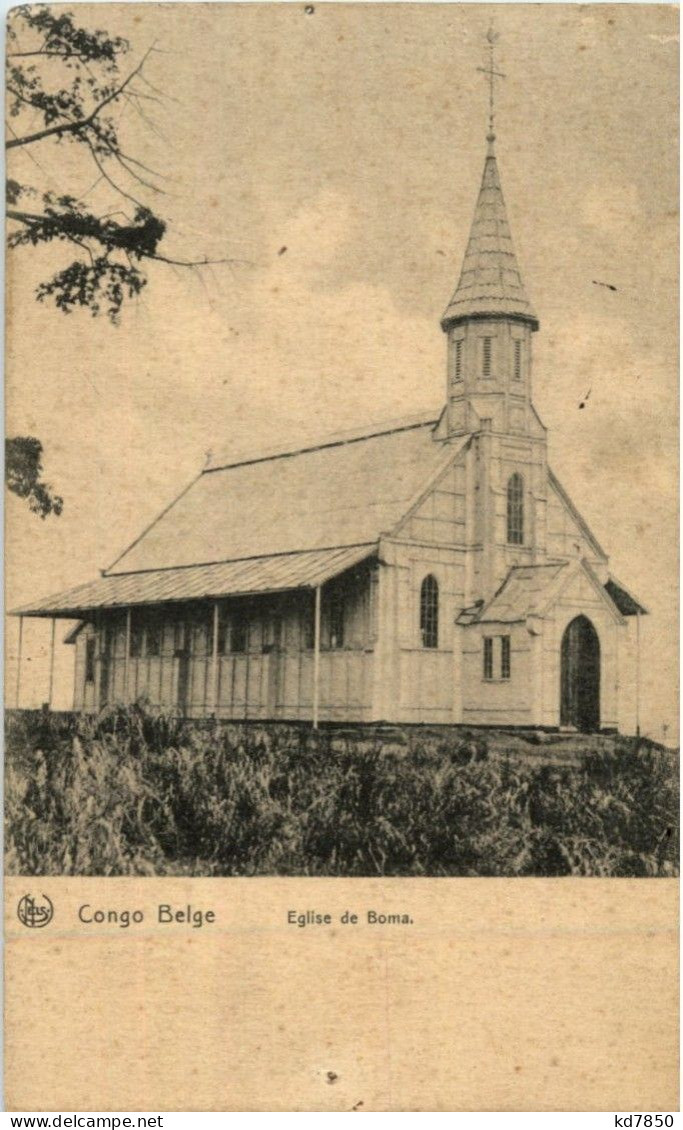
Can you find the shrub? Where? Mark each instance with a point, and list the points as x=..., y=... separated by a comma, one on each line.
x=132, y=793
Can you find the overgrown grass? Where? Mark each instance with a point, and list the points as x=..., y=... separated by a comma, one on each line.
x=130, y=793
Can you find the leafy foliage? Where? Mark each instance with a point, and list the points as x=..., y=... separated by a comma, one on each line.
x=63, y=86
x=23, y=470
x=67, y=79
x=132, y=793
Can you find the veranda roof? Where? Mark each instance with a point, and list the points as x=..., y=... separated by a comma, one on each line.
x=271, y=574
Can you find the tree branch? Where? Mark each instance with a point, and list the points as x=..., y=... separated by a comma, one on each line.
x=84, y=123
x=196, y=262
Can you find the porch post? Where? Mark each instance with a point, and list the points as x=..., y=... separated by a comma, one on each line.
x=126, y=660
x=638, y=673
x=214, y=661
x=21, y=636
x=316, y=658
x=52, y=663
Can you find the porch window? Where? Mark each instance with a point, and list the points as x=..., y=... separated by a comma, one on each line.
x=179, y=637
x=271, y=635
x=222, y=641
x=90, y=659
x=337, y=620
x=308, y=628
x=429, y=611
x=136, y=634
x=153, y=638
x=201, y=635
x=239, y=633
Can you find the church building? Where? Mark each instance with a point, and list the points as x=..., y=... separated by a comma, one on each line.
x=429, y=571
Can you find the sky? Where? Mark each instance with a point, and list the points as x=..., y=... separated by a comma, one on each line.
x=354, y=137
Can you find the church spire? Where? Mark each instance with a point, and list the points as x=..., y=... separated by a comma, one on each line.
x=490, y=283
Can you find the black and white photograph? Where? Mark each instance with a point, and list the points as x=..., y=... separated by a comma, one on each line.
x=342, y=400
x=341, y=561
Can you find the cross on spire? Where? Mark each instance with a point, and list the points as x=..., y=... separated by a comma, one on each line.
x=492, y=74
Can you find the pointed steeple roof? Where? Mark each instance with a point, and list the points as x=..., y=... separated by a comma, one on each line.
x=490, y=279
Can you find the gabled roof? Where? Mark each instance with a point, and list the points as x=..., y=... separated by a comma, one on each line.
x=524, y=592
x=580, y=521
x=531, y=590
x=490, y=280
x=276, y=573
x=624, y=600
x=342, y=492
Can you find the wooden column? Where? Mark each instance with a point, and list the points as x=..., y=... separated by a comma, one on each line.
x=214, y=661
x=21, y=637
x=316, y=658
x=126, y=661
x=52, y=663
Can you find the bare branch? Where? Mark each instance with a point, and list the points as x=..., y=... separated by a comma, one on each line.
x=198, y=262
x=106, y=176
x=164, y=95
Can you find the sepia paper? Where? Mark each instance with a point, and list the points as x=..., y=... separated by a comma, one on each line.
x=317, y=169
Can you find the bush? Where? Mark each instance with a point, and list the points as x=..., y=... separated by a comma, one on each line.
x=131, y=793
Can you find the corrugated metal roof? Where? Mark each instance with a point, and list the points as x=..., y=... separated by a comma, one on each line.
x=343, y=493
x=524, y=591
x=625, y=602
x=233, y=455
x=274, y=573
x=490, y=280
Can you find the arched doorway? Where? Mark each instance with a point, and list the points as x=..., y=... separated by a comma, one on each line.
x=580, y=679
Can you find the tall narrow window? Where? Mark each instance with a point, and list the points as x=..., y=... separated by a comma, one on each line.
x=337, y=620
x=201, y=638
x=515, y=510
x=135, y=639
x=505, y=657
x=517, y=362
x=179, y=637
x=153, y=637
x=488, y=657
x=486, y=352
x=239, y=631
x=308, y=628
x=222, y=640
x=90, y=659
x=429, y=611
x=457, y=360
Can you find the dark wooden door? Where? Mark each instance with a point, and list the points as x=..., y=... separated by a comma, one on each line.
x=580, y=678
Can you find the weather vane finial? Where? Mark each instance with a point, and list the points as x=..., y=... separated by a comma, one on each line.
x=492, y=74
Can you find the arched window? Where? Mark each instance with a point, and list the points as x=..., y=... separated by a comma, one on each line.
x=516, y=510
x=429, y=611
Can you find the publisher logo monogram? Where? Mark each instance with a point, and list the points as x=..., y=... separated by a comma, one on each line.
x=35, y=911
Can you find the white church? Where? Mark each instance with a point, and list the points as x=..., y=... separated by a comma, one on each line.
x=429, y=571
